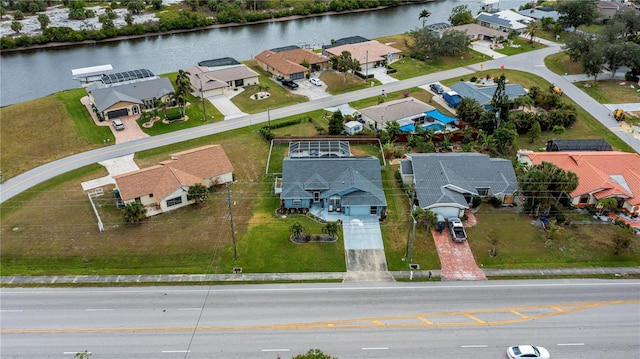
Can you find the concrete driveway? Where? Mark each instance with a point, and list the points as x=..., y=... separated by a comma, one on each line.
x=364, y=251
x=223, y=104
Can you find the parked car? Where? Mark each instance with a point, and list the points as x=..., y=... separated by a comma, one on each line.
x=440, y=224
x=457, y=230
x=527, y=351
x=290, y=84
x=437, y=88
x=316, y=81
x=117, y=124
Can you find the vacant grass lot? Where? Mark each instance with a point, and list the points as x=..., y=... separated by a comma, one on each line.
x=521, y=45
x=561, y=64
x=40, y=131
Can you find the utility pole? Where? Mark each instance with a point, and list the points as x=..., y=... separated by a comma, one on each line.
x=233, y=235
x=366, y=64
x=204, y=110
x=269, y=119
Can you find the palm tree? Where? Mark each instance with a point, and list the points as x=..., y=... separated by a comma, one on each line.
x=134, y=212
x=198, y=192
x=183, y=84
x=532, y=29
x=606, y=204
x=424, y=15
x=426, y=218
x=296, y=229
x=331, y=228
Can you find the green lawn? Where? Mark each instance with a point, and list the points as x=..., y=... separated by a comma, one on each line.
x=51, y=229
x=520, y=45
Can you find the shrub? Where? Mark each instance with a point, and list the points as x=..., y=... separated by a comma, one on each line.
x=475, y=201
x=495, y=201
x=473, y=79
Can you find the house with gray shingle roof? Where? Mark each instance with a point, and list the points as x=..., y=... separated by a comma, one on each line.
x=484, y=94
x=445, y=183
x=540, y=13
x=208, y=82
x=128, y=98
x=404, y=111
x=504, y=21
x=349, y=185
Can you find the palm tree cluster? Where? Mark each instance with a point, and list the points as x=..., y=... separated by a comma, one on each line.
x=345, y=63
x=183, y=87
x=544, y=185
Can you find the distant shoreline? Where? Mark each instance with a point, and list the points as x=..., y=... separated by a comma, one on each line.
x=56, y=45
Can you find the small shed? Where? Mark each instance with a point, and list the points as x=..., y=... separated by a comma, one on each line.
x=352, y=127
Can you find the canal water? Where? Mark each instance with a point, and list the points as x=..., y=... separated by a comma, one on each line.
x=37, y=73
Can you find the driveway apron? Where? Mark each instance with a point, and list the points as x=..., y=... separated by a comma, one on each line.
x=364, y=250
x=456, y=259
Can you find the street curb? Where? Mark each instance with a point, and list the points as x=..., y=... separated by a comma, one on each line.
x=289, y=277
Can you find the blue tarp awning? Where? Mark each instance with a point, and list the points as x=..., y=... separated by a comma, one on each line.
x=440, y=117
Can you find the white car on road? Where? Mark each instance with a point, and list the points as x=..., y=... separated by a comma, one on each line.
x=316, y=81
x=527, y=351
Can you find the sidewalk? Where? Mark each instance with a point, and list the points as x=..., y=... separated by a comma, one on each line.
x=284, y=277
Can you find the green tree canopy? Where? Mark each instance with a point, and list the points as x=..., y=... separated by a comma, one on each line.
x=198, y=192
x=461, y=15
x=134, y=212
x=576, y=12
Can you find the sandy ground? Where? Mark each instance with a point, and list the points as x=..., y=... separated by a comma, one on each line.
x=60, y=17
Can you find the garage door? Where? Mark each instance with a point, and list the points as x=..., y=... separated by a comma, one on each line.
x=297, y=76
x=447, y=212
x=118, y=113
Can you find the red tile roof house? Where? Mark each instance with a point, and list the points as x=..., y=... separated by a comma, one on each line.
x=216, y=81
x=601, y=174
x=288, y=64
x=163, y=187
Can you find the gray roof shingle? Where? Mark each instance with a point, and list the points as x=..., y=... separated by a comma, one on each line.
x=356, y=179
x=444, y=178
x=133, y=92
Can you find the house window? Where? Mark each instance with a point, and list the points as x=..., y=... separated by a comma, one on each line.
x=137, y=200
x=316, y=196
x=174, y=201
x=373, y=210
x=150, y=195
x=483, y=192
x=296, y=202
x=584, y=198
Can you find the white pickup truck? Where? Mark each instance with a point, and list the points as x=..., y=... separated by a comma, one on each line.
x=457, y=230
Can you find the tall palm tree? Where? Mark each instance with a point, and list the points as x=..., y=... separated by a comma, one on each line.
x=331, y=228
x=532, y=30
x=424, y=15
x=183, y=85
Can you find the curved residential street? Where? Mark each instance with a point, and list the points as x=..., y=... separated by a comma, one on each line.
x=532, y=62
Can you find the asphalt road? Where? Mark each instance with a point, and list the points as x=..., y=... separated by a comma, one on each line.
x=529, y=62
x=572, y=318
